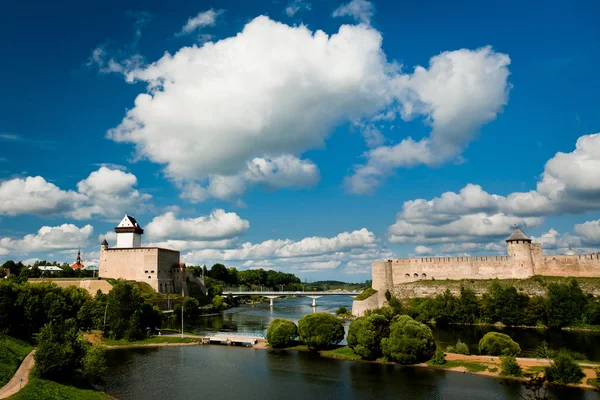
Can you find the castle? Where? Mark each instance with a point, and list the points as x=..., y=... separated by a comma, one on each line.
x=128, y=260
x=525, y=259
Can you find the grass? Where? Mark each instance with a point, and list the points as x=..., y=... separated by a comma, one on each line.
x=536, y=369
x=42, y=389
x=366, y=294
x=470, y=365
x=12, y=352
x=151, y=340
x=345, y=353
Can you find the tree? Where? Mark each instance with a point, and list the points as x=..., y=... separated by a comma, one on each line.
x=496, y=344
x=365, y=335
x=219, y=272
x=503, y=303
x=410, y=342
x=444, y=307
x=564, y=370
x=60, y=350
x=510, y=366
x=123, y=301
x=94, y=363
x=191, y=307
x=218, y=303
x=320, y=331
x=468, y=308
x=341, y=310
x=566, y=304
x=281, y=333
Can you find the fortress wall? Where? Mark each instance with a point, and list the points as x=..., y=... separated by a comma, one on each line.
x=360, y=306
x=487, y=267
x=137, y=264
x=582, y=265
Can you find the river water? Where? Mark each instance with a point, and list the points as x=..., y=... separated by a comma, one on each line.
x=224, y=372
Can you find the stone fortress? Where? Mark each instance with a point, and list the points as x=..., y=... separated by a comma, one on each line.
x=128, y=260
x=525, y=259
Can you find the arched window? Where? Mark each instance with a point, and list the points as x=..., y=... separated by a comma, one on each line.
x=416, y=275
x=423, y=275
x=407, y=276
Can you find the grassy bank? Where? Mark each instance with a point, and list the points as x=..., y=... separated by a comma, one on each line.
x=12, y=352
x=42, y=389
x=344, y=353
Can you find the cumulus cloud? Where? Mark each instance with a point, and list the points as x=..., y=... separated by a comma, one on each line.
x=203, y=19
x=554, y=240
x=205, y=97
x=360, y=10
x=589, y=231
x=349, y=252
x=216, y=226
x=423, y=250
x=459, y=92
x=48, y=238
x=104, y=192
x=285, y=171
x=296, y=5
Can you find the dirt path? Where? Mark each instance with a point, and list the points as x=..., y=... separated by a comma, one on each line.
x=20, y=378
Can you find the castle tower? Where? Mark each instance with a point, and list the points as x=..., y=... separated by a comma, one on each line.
x=519, y=254
x=104, y=245
x=129, y=233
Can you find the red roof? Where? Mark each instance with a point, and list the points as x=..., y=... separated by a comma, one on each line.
x=77, y=265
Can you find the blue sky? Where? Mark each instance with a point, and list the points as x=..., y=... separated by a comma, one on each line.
x=276, y=134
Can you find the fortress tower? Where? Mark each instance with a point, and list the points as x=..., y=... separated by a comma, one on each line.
x=129, y=233
x=519, y=249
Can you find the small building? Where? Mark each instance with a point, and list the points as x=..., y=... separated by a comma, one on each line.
x=78, y=264
x=51, y=269
x=159, y=267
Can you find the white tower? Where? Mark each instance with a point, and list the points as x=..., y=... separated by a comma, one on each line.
x=129, y=233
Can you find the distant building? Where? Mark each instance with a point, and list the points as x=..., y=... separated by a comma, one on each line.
x=78, y=264
x=158, y=267
x=51, y=269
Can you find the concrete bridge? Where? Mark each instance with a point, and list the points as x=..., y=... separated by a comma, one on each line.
x=273, y=295
x=233, y=338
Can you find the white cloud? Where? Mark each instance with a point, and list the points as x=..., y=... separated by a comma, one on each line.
x=589, y=231
x=104, y=192
x=472, y=247
x=216, y=226
x=203, y=19
x=284, y=171
x=66, y=236
x=296, y=5
x=360, y=10
x=553, y=240
x=459, y=92
x=423, y=250
x=206, y=98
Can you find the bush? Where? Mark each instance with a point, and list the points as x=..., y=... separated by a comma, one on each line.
x=410, y=342
x=496, y=344
x=320, y=330
x=462, y=348
x=281, y=333
x=450, y=349
x=439, y=358
x=61, y=349
x=510, y=367
x=341, y=310
x=564, y=370
x=218, y=303
x=365, y=335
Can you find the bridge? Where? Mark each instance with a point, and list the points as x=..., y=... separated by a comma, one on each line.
x=273, y=295
x=233, y=338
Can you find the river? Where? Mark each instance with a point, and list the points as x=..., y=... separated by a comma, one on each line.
x=246, y=373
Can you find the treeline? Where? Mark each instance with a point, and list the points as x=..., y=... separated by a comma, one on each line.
x=251, y=278
x=18, y=270
x=563, y=305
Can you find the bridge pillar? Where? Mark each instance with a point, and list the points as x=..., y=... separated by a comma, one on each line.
x=314, y=304
x=271, y=302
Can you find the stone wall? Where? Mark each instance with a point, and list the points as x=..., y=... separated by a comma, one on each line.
x=91, y=285
x=360, y=306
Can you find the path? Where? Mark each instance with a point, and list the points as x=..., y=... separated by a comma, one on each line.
x=15, y=384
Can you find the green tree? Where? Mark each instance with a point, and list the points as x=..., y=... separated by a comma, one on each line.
x=410, y=342
x=566, y=304
x=510, y=366
x=564, y=370
x=219, y=272
x=281, y=333
x=365, y=335
x=496, y=344
x=341, y=310
x=123, y=302
x=320, y=330
x=60, y=350
x=94, y=363
x=503, y=303
x=468, y=308
x=444, y=307
x=218, y=303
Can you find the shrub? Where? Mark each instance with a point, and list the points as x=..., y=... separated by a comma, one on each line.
x=60, y=350
x=564, y=370
x=439, y=358
x=410, y=342
x=462, y=348
x=510, y=367
x=341, y=310
x=365, y=335
x=281, y=333
x=218, y=302
x=495, y=344
x=320, y=330
x=450, y=349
